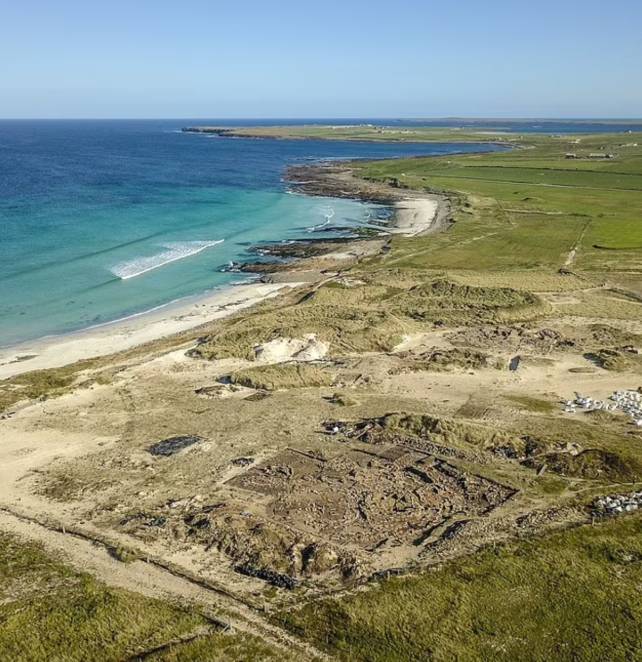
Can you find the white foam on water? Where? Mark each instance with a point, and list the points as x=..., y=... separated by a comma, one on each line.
x=328, y=214
x=176, y=250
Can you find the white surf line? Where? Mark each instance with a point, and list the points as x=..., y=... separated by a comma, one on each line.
x=177, y=251
x=328, y=215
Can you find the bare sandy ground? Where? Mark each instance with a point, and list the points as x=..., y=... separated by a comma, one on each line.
x=104, y=430
x=124, y=334
x=416, y=215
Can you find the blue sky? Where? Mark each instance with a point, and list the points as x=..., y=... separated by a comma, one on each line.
x=350, y=58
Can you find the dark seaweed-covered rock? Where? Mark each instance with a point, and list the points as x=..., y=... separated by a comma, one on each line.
x=275, y=578
x=173, y=445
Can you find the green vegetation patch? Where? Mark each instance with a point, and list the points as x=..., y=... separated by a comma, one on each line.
x=617, y=360
x=50, y=612
x=593, y=463
x=364, y=132
x=602, y=304
x=536, y=405
x=572, y=595
x=447, y=302
x=372, y=316
x=283, y=376
x=569, y=448
x=438, y=360
x=221, y=647
x=37, y=384
x=343, y=400
x=346, y=327
x=415, y=429
x=527, y=209
x=593, y=447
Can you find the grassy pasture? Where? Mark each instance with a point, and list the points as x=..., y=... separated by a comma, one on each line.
x=529, y=208
x=50, y=612
x=572, y=595
x=369, y=133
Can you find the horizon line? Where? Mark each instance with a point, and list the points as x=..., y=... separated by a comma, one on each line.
x=392, y=118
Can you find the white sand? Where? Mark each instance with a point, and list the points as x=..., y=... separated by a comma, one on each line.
x=124, y=334
x=415, y=215
x=308, y=348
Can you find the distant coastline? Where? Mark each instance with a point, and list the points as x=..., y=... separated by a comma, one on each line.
x=428, y=130
x=357, y=133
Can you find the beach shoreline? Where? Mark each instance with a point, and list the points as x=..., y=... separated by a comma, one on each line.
x=135, y=330
x=415, y=214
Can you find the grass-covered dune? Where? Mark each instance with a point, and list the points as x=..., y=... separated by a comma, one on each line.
x=371, y=315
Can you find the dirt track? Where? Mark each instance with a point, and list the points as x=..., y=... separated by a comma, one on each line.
x=151, y=579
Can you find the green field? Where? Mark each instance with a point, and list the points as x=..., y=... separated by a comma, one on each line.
x=569, y=596
x=50, y=612
x=528, y=208
x=365, y=132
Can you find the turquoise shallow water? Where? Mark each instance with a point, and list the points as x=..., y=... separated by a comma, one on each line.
x=137, y=257
x=100, y=220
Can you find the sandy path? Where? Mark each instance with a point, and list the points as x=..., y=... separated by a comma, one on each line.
x=572, y=254
x=152, y=580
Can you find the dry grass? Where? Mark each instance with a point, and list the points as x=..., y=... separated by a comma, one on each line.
x=283, y=376
x=372, y=316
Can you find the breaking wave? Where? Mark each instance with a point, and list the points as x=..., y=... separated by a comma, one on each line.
x=328, y=215
x=177, y=250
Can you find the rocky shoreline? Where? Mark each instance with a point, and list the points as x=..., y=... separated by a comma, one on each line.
x=207, y=129
x=233, y=132
x=339, y=181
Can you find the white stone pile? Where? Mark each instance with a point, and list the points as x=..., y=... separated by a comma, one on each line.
x=617, y=504
x=629, y=402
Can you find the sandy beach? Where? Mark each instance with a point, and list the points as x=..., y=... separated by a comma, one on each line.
x=120, y=335
x=415, y=216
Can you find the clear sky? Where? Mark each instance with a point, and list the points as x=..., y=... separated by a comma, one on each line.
x=333, y=58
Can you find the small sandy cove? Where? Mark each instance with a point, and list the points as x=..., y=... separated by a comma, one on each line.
x=417, y=215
